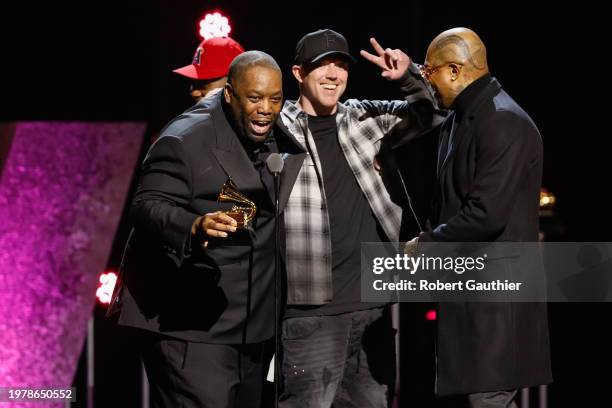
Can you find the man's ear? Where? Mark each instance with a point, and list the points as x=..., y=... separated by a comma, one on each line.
x=298, y=73
x=228, y=92
x=455, y=71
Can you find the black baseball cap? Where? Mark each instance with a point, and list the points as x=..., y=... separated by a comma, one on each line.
x=319, y=44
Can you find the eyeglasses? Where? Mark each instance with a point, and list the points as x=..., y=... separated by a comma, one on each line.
x=427, y=72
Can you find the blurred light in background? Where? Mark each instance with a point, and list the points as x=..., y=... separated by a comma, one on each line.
x=547, y=199
x=105, y=288
x=214, y=25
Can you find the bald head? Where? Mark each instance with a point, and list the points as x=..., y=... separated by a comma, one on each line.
x=247, y=60
x=460, y=45
x=455, y=58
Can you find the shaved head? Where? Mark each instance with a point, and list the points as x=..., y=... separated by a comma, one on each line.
x=247, y=60
x=464, y=54
x=460, y=45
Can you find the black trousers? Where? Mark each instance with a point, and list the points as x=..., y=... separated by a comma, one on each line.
x=184, y=374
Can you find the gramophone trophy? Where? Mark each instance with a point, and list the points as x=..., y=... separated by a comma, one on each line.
x=243, y=210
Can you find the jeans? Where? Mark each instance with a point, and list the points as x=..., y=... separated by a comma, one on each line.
x=496, y=399
x=347, y=360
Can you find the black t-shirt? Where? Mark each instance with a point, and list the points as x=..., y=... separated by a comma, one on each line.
x=351, y=221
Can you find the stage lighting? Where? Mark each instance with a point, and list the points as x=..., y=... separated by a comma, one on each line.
x=106, y=286
x=547, y=199
x=431, y=315
x=214, y=25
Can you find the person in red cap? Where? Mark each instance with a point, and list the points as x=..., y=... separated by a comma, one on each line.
x=210, y=65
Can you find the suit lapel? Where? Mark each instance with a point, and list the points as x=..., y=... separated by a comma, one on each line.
x=231, y=156
x=456, y=137
x=443, y=146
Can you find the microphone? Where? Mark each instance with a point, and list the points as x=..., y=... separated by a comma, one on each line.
x=275, y=163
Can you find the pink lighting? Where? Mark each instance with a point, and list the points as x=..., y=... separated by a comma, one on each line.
x=105, y=288
x=62, y=192
x=214, y=25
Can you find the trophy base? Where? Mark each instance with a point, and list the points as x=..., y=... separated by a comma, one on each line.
x=240, y=218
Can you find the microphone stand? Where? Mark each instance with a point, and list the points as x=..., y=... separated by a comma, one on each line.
x=275, y=166
x=277, y=290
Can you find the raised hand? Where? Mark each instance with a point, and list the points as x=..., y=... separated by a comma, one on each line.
x=393, y=63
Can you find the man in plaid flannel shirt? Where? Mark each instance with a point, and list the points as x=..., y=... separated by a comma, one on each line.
x=336, y=349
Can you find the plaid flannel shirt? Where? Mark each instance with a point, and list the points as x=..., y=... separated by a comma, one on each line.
x=361, y=126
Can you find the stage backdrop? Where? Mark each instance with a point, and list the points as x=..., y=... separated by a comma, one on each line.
x=62, y=191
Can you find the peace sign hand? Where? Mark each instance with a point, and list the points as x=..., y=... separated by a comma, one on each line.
x=393, y=63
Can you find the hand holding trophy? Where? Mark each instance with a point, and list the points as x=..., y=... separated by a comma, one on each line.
x=219, y=223
x=243, y=210
x=216, y=224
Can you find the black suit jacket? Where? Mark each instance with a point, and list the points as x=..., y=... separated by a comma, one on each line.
x=171, y=285
x=488, y=191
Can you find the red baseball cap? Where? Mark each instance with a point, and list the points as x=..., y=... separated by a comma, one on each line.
x=212, y=59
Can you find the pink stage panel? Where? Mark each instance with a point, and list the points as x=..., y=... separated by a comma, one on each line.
x=62, y=190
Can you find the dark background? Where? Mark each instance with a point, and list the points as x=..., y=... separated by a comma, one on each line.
x=112, y=60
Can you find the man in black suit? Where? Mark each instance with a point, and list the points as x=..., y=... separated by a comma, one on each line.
x=489, y=176
x=199, y=288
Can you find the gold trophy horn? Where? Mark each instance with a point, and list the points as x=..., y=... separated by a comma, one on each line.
x=243, y=210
